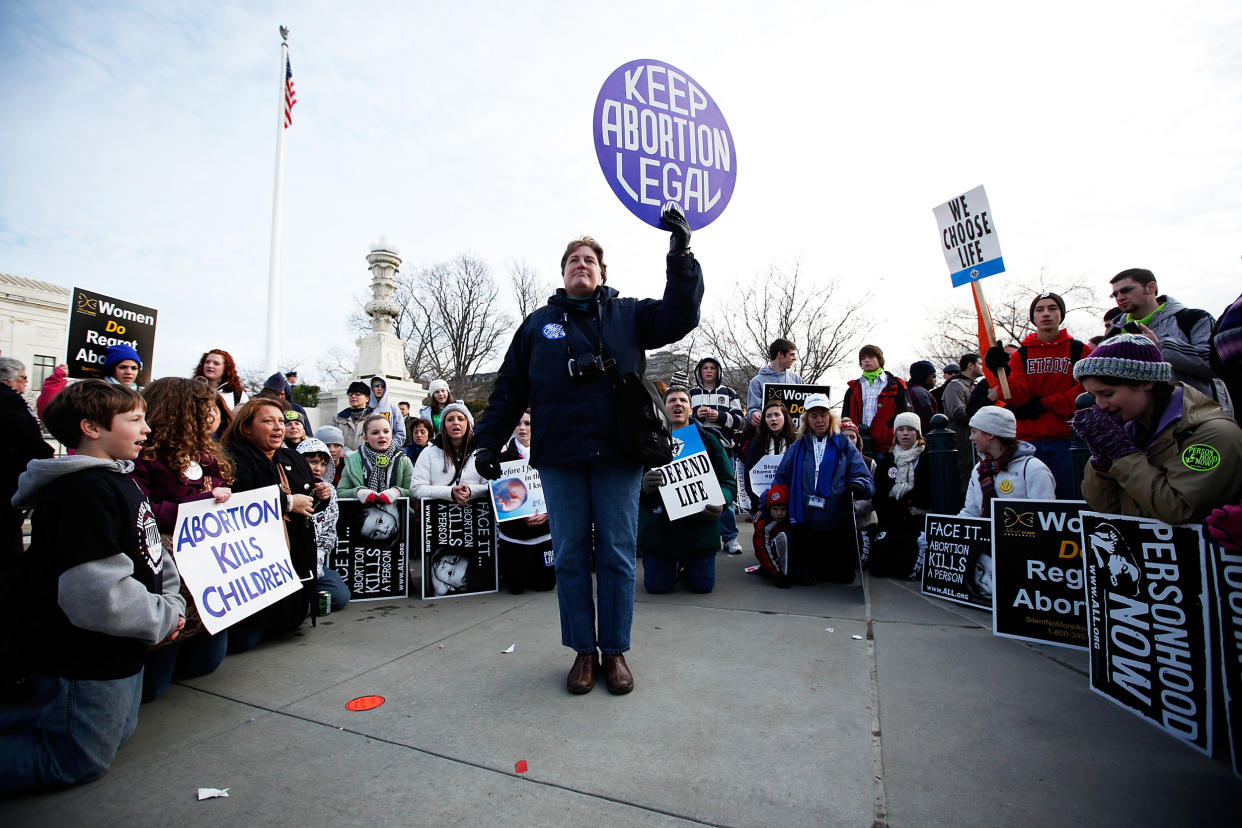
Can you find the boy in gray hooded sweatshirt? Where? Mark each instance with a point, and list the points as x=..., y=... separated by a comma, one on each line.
x=97, y=590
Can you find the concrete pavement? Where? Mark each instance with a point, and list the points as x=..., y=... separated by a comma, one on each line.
x=747, y=711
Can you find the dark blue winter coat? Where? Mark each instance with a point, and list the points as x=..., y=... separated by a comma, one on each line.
x=574, y=420
x=842, y=465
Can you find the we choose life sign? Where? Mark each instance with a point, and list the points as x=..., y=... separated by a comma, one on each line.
x=233, y=556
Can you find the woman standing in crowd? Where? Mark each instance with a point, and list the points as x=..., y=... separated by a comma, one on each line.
x=1007, y=467
x=217, y=369
x=297, y=428
x=902, y=497
x=774, y=437
x=434, y=410
x=255, y=445
x=823, y=471
x=334, y=439
x=23, y=441
x=1159, y=449
x=180, y=463
x=525, y=545
x=379, y=469
x=445, y=470
x=381, y=403
x=555, y=365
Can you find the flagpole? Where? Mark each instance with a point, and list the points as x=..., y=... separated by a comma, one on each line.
x=273, y=266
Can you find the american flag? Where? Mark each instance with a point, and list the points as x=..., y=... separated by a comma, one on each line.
x=291, y=97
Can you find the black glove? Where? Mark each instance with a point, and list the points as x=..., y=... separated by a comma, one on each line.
x=711, y=512
x=651, y=481
x=996, y=359
x=487, y=464
x=857, y=490
x=675, y=220
x=1029, y=410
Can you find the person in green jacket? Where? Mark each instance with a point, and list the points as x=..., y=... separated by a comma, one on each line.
x=378, y=471
x=685, y=547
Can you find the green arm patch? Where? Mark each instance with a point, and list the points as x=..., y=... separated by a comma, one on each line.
x=1200, y=457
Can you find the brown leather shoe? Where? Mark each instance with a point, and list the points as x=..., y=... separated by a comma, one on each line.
x=617, y=674
x=582, y=675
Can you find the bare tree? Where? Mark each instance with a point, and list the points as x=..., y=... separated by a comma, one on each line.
x=450, y=320
x=337, y=365
x=529, y=290
x=784, y=303
x=955, y=327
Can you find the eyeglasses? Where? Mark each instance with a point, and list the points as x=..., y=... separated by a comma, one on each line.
x=1122, y=291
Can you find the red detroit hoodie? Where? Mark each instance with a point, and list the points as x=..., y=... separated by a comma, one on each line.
x=1046, y=373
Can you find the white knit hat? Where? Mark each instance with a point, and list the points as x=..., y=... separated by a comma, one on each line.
x=994, y=420
x=908, y=418
x=437, y=385
x=458, y=406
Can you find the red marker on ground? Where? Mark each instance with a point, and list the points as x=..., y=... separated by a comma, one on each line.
x=520, y=767
x=364, y=703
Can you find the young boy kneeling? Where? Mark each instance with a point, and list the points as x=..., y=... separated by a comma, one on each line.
x=97, y=591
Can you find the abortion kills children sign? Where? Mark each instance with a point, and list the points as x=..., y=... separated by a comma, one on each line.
x=958, y=566
x=1039, y=594
x=690, y=481
x=1147, y=622
x=96, y=322
x=233, y=556
x=660, y=137
x=372, y=541
x=518, y=493
x=1227, y=572
x=459, y=548
x=968, y=237
x=794, y=397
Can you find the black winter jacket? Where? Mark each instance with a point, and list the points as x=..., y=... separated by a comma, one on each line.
x=574, y=420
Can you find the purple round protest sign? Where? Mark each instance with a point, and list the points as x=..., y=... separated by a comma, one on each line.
x=660, y=137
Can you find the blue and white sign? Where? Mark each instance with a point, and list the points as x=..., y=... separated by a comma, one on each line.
x=968, y=237
x=660, y=137
x=518, y=493
x=233, y=556
x=690, y=481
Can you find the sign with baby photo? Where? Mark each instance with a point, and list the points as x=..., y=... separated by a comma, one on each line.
x=518, y=493
x=233, y=556
x=459, y=548
x=689, y=482
x=372, y=548
x=958, y=566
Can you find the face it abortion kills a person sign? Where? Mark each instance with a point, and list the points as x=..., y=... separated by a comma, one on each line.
x=660, y=137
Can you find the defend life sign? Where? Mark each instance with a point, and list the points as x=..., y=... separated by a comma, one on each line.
x=233, y=555
x=97, y=322
x=968, y=237
x=690, y=481
x=660, y=137
x=1147, y=622
x=1039, y=591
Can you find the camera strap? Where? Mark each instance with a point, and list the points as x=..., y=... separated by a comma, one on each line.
x=575, y=331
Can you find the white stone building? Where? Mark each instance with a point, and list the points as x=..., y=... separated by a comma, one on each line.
x=34, y=325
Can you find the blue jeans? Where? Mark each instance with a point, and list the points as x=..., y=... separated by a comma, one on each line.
x=660, y=574
x=605, y=495
x=332, y=583
x=70, y=733
x=728, y=525
x=1056, y=456
x=197, y=656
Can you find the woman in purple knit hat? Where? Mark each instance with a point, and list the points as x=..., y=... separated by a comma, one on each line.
x=1159, y=449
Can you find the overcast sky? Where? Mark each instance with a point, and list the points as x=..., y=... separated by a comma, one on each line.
x=139, y=145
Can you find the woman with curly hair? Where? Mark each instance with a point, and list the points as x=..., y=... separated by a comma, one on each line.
x=180, y=464
x=217, y=369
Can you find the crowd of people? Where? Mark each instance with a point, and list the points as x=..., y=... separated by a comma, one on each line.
x=827, y=492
